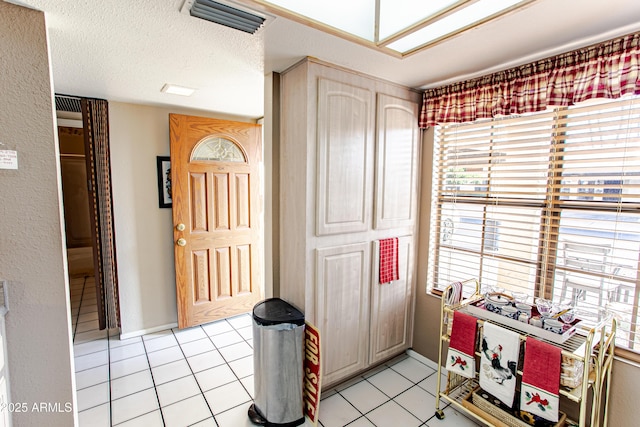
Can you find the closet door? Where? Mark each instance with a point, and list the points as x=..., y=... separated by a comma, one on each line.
x=397, y=155
x=345, y=158
x=342, y=300
x=392, y=304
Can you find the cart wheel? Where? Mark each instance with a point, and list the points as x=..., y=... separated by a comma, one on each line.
x=440, y=414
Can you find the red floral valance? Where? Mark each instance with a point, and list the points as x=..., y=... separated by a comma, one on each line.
x=607, y=70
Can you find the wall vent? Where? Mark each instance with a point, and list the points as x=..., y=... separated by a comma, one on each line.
x=68, y=103
x=226, y=15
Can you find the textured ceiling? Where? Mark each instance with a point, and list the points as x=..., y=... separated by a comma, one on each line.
x=124, y=50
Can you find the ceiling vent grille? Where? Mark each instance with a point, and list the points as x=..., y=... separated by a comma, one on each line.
x=226, y=15
x=68, y=103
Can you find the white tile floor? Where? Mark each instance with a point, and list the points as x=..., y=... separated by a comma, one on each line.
x=203, y=376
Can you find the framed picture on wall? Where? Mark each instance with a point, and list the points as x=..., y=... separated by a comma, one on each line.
x=164, y=181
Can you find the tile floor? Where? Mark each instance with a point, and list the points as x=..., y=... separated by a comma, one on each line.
x=203, y=376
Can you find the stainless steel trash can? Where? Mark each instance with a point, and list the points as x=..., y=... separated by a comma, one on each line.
x=278, y=352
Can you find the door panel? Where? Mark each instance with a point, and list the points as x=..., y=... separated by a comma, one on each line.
x=345, y=158
x=392, y=305
x=397, y=162
x=243, y=257
x=199, y=210
x=217, y=256
x=343, y=300
x=222, y=279
x=242, y=201
x=201, y=276
x=221, y=201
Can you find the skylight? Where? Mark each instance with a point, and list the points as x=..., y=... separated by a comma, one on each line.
x=399, y=27
x=396, y=16
x=452, y=24
x=355, y=17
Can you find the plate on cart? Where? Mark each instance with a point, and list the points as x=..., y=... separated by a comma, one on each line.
x=477, y=309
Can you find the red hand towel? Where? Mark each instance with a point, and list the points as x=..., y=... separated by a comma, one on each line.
x=389, y=260
x=461, y=357
x=541, y=379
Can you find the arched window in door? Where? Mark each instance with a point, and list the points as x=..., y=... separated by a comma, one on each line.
x=218, y=149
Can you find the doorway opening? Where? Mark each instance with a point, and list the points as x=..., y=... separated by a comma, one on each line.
x=77, y=218
x=87, y=200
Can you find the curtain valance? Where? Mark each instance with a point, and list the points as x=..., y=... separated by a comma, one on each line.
x=606, y=70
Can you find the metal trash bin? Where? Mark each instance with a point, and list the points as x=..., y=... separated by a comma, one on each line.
x=278, y=352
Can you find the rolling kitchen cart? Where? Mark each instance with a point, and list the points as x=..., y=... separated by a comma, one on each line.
x=588, y=354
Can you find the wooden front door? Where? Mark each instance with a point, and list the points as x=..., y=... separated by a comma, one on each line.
x=216, y=207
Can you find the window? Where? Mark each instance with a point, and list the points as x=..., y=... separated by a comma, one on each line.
x=217, y=149
x=547, y=204
x=400, y=26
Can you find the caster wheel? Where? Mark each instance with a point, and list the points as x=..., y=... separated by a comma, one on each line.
x=440, y=414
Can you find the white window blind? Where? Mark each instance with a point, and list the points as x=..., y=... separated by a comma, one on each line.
x=547, y=204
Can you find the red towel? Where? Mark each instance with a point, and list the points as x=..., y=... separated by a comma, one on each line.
x=389, y=260
x=461, y=356
x=541, y=379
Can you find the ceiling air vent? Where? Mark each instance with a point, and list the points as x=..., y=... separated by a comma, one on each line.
x=226, y=15
x=68, y=103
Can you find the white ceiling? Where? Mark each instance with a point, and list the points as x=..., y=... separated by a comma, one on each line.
x=123, y=50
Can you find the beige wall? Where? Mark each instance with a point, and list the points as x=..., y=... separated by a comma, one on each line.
x=144, y=233
x=623, y=409
x=32, y=258
x=426, y=329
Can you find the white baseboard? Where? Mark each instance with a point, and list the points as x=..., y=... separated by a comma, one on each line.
x=147, y=331
x=430, y=363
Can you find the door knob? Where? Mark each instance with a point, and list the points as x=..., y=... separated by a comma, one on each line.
x=181, y=242
x=180, y=227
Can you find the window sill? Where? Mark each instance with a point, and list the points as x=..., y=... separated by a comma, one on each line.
x=627, y=356
x=436, y=292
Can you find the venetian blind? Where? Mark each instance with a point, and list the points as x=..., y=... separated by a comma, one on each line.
x=547, y=204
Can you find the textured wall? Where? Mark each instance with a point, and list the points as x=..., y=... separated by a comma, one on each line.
x=31, y=233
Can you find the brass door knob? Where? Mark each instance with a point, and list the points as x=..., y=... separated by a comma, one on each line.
x=180, y=227
x=181, y=241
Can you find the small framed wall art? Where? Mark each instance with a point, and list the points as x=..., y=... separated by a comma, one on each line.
x=164, y=181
